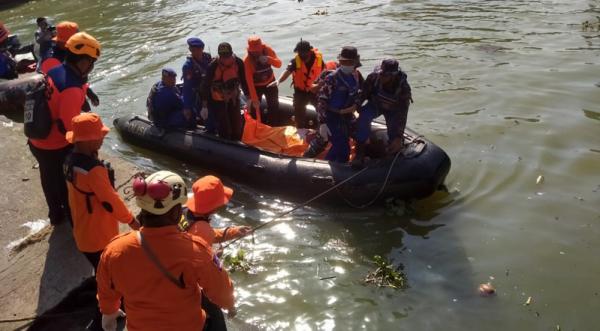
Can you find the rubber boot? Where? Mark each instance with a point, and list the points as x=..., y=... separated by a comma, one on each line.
x=316, y=147
x=359, y=158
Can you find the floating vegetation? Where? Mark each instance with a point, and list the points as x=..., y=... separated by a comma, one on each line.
x=591, y=26
x=237, y=262
x=385, y=275
x=320, y=12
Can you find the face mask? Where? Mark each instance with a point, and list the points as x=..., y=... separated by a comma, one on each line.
x=347, y=69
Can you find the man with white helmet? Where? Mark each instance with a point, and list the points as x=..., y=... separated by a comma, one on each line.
x=160, y=272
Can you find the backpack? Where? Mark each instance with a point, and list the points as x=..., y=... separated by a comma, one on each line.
x=37, y=116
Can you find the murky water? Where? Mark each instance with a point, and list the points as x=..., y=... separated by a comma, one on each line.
x=510, y=89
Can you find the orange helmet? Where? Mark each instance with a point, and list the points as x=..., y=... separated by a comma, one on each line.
x=82, y=43
x=3, y=32
x=64, y=31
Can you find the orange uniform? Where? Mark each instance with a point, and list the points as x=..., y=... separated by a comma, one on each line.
x=67, y=95
x=96, y=208
x=257, y=74
x=202, y=229
x=152, y=301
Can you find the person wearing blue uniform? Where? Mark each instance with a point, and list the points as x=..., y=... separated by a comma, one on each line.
x=338, y=100
x=165, y=104
x=193, y=73
x=8, y=65
x=387, y=93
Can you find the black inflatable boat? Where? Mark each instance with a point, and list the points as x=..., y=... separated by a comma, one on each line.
x=415, y=173
x=14, y=94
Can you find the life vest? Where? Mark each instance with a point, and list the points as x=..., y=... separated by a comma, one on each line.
x=345, y=90
x=389, y=101
x=303, y=79
x=226, y=82
x=84, y=163
x=263, y=72
x=56, y=59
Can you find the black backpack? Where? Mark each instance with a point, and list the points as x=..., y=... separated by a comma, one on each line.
x=37, y=116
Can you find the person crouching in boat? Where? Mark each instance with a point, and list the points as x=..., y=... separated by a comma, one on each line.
x=305, y=69
x=258, y=64
x=193, y=73
x=338, y=100
x=8, y=64
x=388, y=93
x=222, y=85
x=165, y=104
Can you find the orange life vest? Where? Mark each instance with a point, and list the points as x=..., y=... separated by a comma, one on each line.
x=303, y=80
x=226, y=83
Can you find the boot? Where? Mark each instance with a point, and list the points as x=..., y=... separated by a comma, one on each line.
x=359, y=158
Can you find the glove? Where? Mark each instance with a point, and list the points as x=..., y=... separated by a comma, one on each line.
x=109, y=322
x=274, y=83
x=324, y=132
x=263, y=59
x=204, y=113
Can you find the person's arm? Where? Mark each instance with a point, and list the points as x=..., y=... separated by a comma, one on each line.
x=324, y=95
x=273, y=59
x=71, y=101
x=108, y=197
x=188, y=87
x=242, y=75
x=213, y=279
x=249, y=75
x=231, y=232
x=109, y=298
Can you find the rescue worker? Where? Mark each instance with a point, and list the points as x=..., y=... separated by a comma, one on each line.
x=258, y=64
x=160, y=272
x=96, y=208
x=222, y=89
x=67, y=84
x=43, y=37
x=305, y=69
x=210, y=195
x=193, y=73
x=8, y=64
x=338, y=100
x=388, y=93
x=165, y=104
x=56, y=56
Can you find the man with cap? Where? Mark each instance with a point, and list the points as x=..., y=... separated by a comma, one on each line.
x=68, y=83
x=221, y=89
x=165, y=104
x=338, y=100
x=96, y=208
x=388, y=93
x=305, y=69
x=160, y=272
x=8, y=64
x=193, y=72
x=210, y=195
x=258, y=64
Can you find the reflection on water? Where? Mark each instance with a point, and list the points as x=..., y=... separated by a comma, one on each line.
x=500, y=85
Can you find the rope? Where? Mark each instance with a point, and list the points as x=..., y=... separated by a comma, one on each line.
x=300, y=205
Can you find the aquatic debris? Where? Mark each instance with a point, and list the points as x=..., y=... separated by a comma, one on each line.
x=37, y=232
x=385, y=275
x=528, y=302
x=237, y=262
x=486, y=290
x=398, y=207
x=539, y=180
x=321, y=12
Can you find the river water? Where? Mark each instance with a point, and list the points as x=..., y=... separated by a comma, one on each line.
x=510, y=89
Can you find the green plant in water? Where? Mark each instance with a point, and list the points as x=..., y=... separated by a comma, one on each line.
x=236, y=262
x=385, y=275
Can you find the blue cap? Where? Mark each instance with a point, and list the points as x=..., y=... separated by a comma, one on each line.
x=195, y=42
x=169, y=72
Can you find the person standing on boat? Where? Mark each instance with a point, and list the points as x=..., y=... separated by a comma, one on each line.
x=8, y=64
x=160, y=272
x=338, y=100
x=222, y=90
x=305, y=69
x=258, y=64
x=165, y=104
x=193, y=73
x=68, y=84
x=388, y=93
x=43, y=37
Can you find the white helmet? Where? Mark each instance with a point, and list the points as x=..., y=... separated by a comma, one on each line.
x=159, y=192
